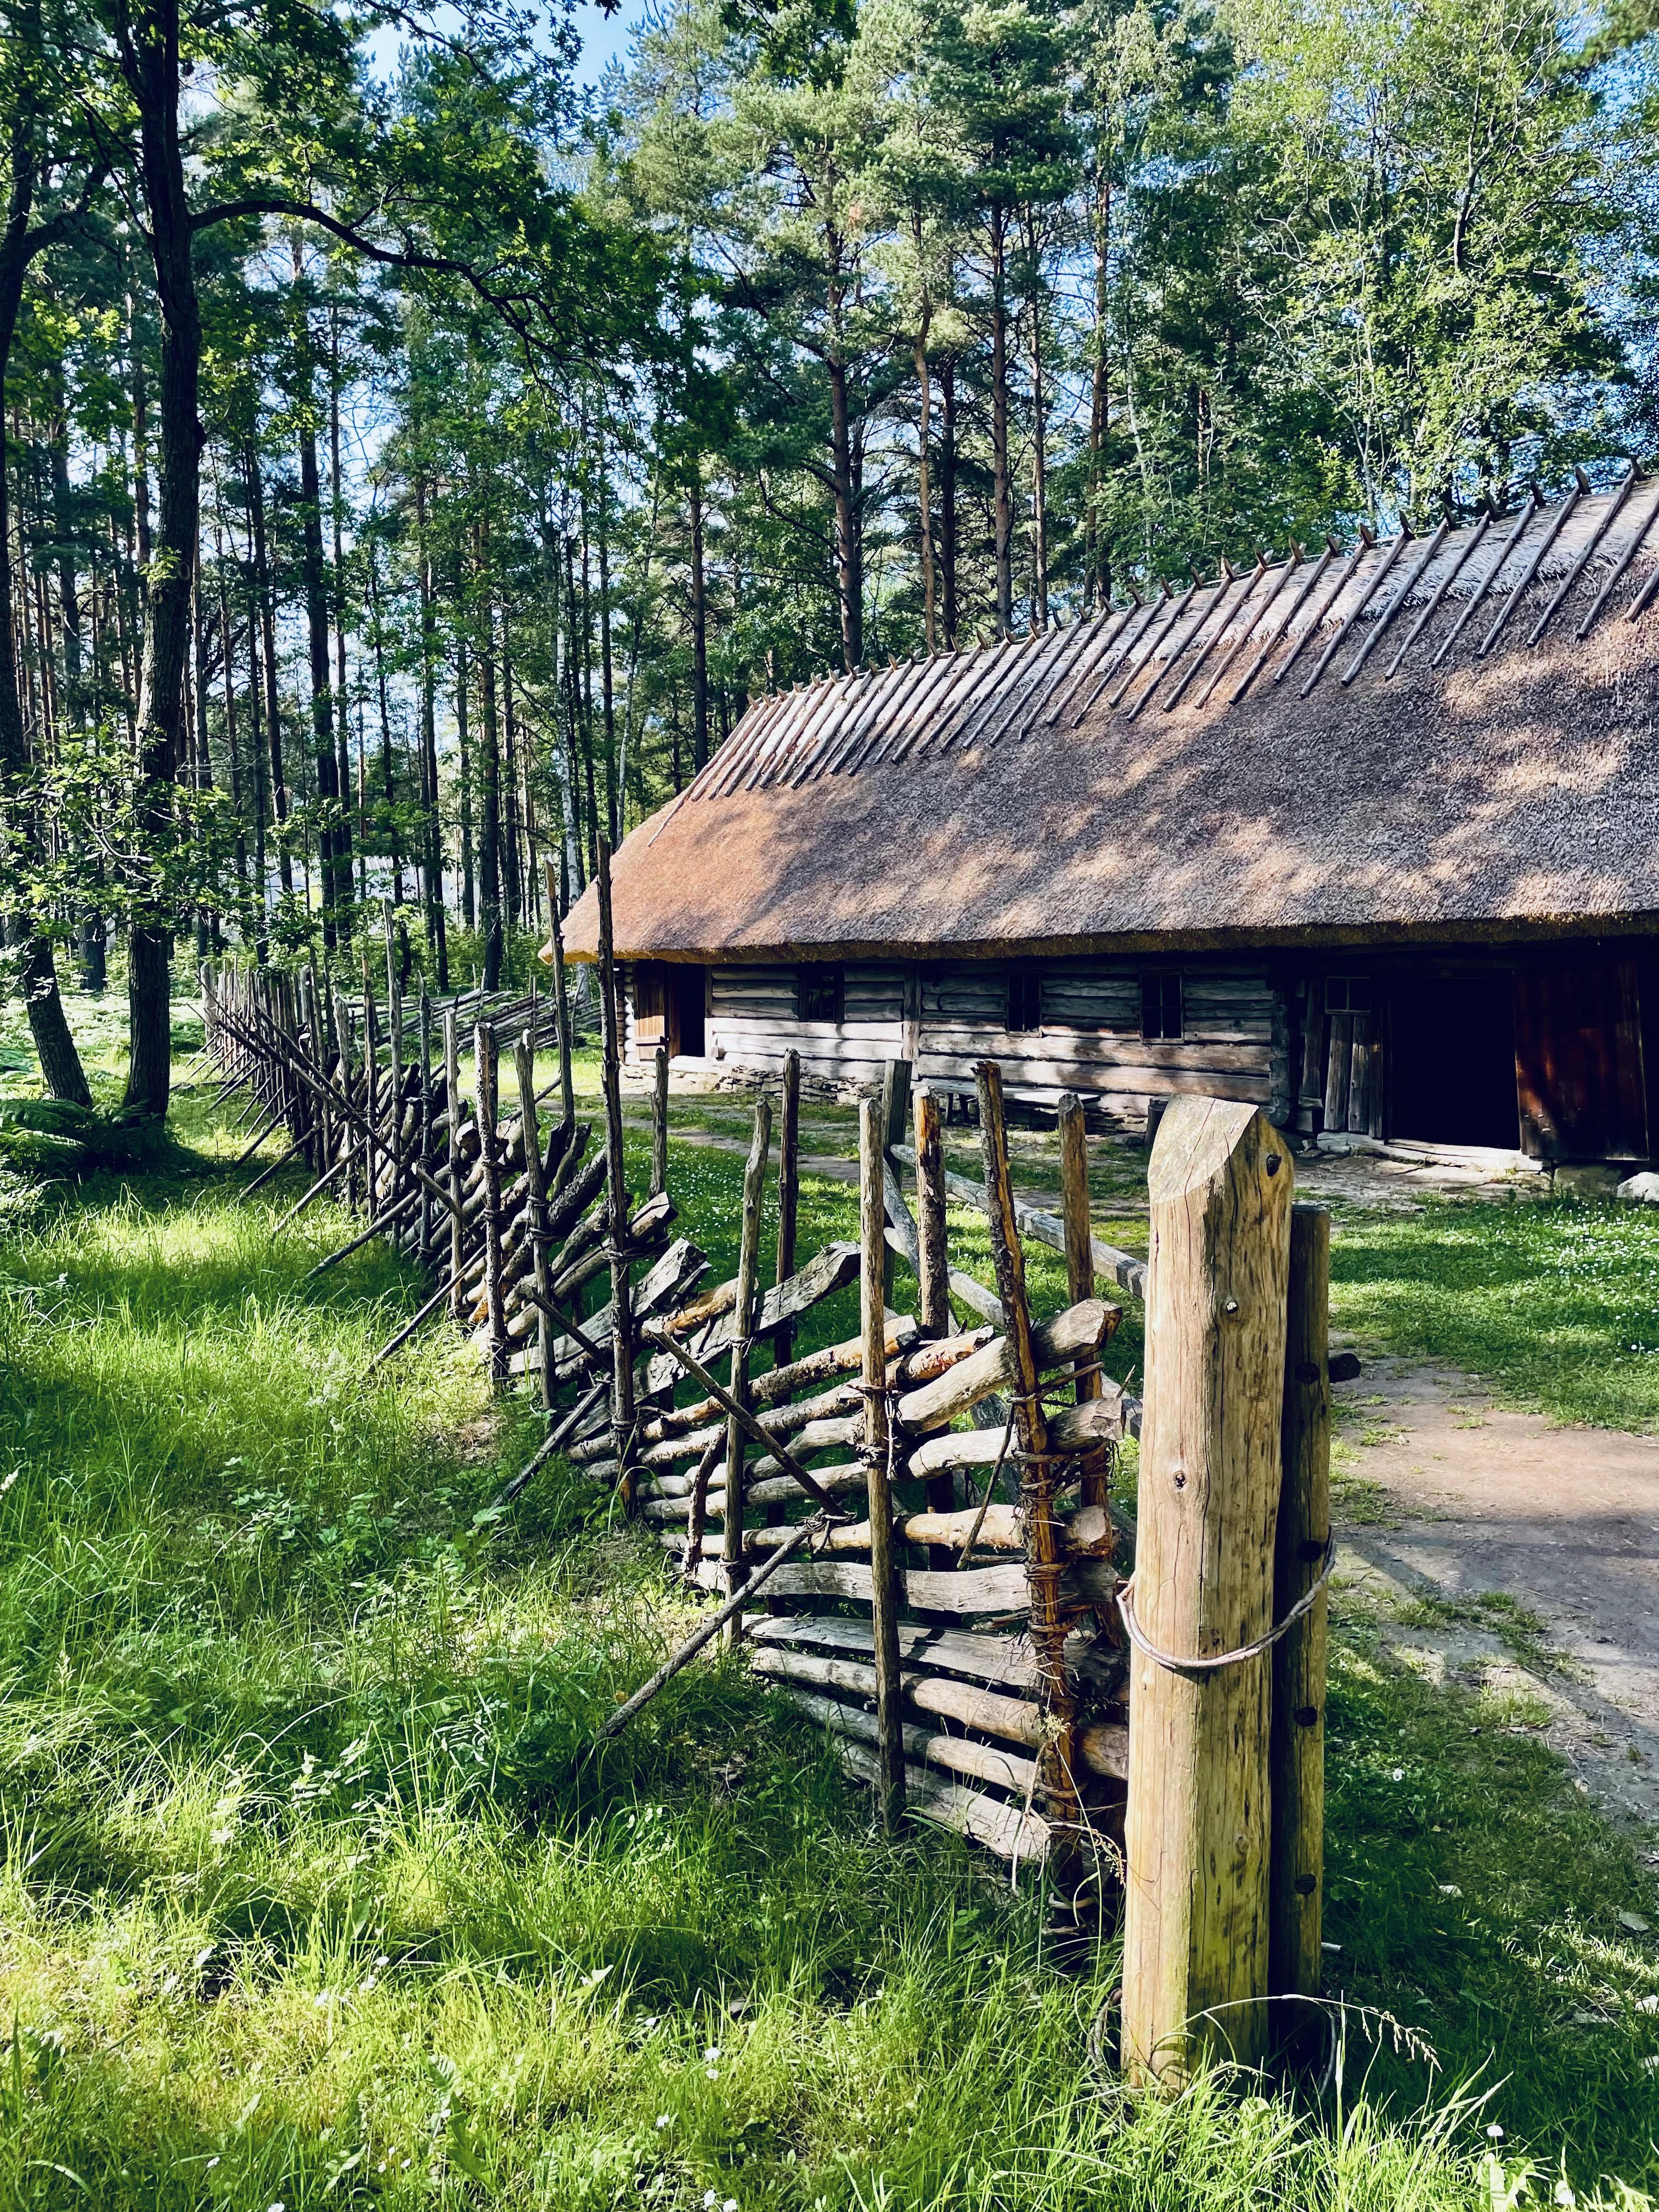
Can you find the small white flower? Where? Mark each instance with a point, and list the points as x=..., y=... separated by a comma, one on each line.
x=714, y=2074
x=709, y=2200
x=662, y=2119
x=711, y=2054
x=211, y=2163
x=651, y=2023
x=279, y=2206
x=1399, y=1774
x=1563, y=2193
x=1495, y=2132
x=730, y=2205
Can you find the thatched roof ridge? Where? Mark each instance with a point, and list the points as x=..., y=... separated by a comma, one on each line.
x=1445, y=735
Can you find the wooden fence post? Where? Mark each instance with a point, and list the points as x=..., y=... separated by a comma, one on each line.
x=1299, y=1694
x=523, y=1062
x=933, y=1278
x=562, y=996
x=1044, y=1556
x=484, y=1049
x=1196, y=1936
x=1095, y=1471
x=427, y=1160
x=621, y=1293
x=783, y=1341
x=895, y=1114
x=743, y=1320
x=883, y=1573
x=457, y=1173
x=660, y=1119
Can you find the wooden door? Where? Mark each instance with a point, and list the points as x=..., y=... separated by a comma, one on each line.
x=1578, y=1058
x=650, y=1007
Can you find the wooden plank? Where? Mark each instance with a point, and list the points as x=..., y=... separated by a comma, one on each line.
x=1357, y=1115
x=1002, y=1828
x=1339, y=1071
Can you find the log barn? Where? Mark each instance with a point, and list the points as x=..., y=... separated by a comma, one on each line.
x=1367, y=836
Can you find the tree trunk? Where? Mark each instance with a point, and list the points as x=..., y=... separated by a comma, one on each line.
x=150, y=62
x=1002, y=498
x=469, y=879
x=847, y=578
x=1039, y=440
x=337, y=590
x=924, y=490
x=490, y=807
x=60, y=1063
x=333, y=845
x=268, y=643
x=699, y=632
x=437, y=932
x=947, y=497
x=1096, y=576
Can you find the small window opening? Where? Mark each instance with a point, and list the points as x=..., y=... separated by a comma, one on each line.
x=1160, y=1006
x=1025, y=997
x=820, y=991
x=1347, y=995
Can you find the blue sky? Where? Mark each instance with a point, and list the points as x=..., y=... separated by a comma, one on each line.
x=604, y=37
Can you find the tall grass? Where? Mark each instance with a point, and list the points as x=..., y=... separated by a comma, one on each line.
x=310, y=1896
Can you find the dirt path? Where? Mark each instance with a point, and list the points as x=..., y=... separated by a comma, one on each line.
x=1453, y=1499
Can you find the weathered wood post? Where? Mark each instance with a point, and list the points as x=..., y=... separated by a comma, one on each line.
x=424, y=1246
x=933, y=1278
x=895, y=1114
x=1298, y=1693
x=878, y=1433
x=660, y=1119
x=524, y=1063
x=1196, y=1928
x=561, y=997
x=743, y=1320
x=1095, y=1470
x=1044, y=1554
x=622, y=1293
x=783, y=1343
x=457, y=1172
x=484, y=1051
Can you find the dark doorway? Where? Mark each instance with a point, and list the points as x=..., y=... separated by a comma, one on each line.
x=1451, y=1057
x=687, y=997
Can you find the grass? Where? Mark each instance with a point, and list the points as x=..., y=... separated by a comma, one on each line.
x=308, y=1897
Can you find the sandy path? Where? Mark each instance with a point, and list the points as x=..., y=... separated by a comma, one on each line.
x=1473, y=1498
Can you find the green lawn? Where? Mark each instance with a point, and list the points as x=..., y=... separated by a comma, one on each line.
x=308, y=1897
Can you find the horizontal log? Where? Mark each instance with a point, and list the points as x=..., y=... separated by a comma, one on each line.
x=991, y=1711
x=1088, y=1427
x=765, y=1483
x=1081, y=1329
x=670, y=1276
x=1004, y=1663
x=1006, y=1829
x=953, y=1755
x=967, y=1591
x=825, y=1273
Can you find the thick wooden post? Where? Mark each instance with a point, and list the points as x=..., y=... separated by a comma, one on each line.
x=457, y=1172
x=1044, y=1554
x=524, y=1063
x=622, y=1293
x=660, y=1119
x=1299, y=1694
x=743, y=1320
x=484, y=1050
x=1196, y=1937
x=884, y=1571
x=895, y=1114
x=562, y=995
x=1095, y=1471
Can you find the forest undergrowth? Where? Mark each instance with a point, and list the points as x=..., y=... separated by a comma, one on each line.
x=308, y=1896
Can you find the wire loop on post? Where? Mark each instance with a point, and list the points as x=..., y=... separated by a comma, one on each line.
x=1304, y=1604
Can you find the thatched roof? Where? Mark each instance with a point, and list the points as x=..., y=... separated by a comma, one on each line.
x=1447, y=737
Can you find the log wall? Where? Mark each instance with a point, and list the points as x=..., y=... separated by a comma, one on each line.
x=945, y=1016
